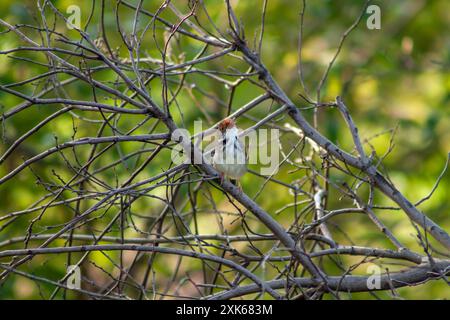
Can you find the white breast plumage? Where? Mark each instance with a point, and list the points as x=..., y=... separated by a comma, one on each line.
x=229, y=156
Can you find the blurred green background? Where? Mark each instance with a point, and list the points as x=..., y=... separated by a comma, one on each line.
x=393, y=79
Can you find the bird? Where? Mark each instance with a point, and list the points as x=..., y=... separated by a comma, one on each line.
x=229, y=156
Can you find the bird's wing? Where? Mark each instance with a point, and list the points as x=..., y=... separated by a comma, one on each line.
x=241, y=147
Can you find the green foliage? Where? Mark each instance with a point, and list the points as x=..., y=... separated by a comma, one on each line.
x=395, y=82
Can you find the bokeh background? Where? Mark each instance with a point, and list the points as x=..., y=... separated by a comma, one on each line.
x=395, y=79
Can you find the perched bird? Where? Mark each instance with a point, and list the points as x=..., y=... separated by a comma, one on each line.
x=229, y=155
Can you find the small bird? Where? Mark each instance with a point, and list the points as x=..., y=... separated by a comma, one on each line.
x=229, y=155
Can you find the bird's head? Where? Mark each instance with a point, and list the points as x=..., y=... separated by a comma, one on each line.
x=226, y=124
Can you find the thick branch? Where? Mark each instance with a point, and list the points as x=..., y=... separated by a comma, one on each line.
x=410, y=277
x=387, y=188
